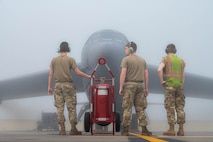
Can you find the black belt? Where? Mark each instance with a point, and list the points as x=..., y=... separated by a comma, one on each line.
x=135, y=81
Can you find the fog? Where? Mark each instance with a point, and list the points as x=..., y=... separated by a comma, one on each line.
x=31, y=32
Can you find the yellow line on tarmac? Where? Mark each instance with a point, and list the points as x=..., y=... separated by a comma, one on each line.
x=151, y=139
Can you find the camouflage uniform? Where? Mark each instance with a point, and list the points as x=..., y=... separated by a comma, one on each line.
x=134, y=94
x=64, y=92
x=171, y=75
x=173, y=92
x=174, y=100
x=133, y=89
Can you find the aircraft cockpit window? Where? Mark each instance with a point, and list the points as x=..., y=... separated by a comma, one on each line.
x=94, y=38
x=113, y=36
x=121, y=38
x=107, y=36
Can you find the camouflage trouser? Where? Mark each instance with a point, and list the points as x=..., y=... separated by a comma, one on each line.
x=65, y=93
x=174, y=101
x=134, y=94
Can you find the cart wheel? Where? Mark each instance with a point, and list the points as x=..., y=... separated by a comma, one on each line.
x=117, y=122
x=87, y=121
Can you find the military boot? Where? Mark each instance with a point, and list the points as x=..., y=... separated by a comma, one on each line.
x=74, y=130
x=62, y=129
x=145, y=131
x=125, y=131
x=171, y=131
x=180, y=131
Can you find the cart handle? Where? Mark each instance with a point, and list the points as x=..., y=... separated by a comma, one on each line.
x=101, y=61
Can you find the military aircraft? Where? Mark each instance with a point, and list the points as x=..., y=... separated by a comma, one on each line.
x=109, y=44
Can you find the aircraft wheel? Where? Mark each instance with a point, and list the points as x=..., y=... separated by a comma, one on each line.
x=87, y=121
x=117, y=122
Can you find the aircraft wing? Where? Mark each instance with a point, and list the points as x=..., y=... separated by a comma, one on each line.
x=196, y=86
x=35, y=85
x=32, y=85
x=24, y=87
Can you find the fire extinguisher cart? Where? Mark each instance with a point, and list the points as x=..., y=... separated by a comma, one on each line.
x=102, y=103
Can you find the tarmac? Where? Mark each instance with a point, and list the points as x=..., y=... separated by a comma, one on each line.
x=52, y=136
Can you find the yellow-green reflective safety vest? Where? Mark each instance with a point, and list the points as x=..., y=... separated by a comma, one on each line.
x=173, y=71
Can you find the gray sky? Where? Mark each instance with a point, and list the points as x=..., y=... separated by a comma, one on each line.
x=31, y=31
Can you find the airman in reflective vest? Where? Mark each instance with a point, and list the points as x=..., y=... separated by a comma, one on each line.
x=171, y=75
